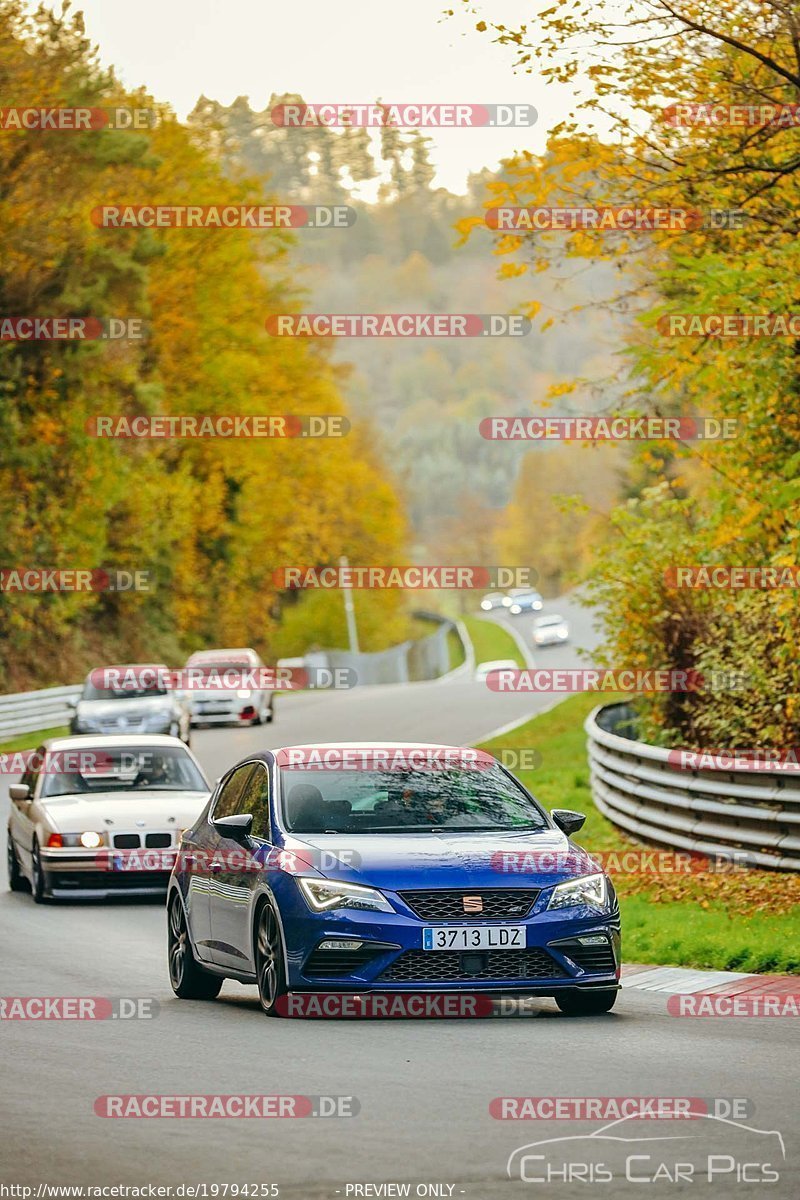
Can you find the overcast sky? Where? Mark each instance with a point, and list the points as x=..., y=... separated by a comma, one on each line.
x=353, y=52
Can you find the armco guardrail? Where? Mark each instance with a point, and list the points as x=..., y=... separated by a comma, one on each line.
x=28, y=712
x=754, y=814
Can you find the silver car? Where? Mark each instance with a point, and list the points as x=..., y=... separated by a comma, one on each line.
x=136, y=698
x=223, y=703
x=552, y=630
x=100, y=817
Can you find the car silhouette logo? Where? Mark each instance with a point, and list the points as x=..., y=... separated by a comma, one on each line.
x=472, y=904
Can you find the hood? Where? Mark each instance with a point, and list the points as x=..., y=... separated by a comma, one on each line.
x=120, y=811
x=132, y=708
x=418, y=860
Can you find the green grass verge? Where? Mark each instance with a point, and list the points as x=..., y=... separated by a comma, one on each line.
x=738, y=921
x=455, y=650
x=29, y=741
x=491, y=641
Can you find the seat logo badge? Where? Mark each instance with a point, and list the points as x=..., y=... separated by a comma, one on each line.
x=472, y=904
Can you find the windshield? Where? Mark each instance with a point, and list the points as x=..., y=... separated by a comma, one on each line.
x=90, y=692
x=126, y=770
x=412, y=801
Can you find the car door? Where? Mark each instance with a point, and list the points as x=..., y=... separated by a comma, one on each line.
x=201, y=859
x=240, y=874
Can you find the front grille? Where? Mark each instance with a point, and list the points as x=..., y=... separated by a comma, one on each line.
x=445, y=966
x=157, y=841
x=507, y=904
x=597, y=960
x=127, y=841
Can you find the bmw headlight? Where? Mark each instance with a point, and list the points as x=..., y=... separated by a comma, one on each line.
x=89, y=840
x=324, y=894
x=590, y=889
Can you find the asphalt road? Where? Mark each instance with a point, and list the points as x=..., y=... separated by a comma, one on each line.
x=423, y=1087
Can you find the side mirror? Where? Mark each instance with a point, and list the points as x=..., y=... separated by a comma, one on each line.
x=567, y=820
x=237, y=828
x=19, y=791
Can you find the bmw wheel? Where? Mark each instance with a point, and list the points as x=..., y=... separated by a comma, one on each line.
x=39, y=878
x=16, y=880
x=189, y=980
x=270, y=967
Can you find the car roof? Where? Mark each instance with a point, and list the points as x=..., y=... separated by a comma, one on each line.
x=549, y=619
x=128, y=741
x=242, y=652
x=369, y=746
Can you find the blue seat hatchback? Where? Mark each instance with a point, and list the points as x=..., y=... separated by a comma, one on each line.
x=395, y=867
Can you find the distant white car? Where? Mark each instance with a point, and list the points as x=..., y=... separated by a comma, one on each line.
x=500, y=664
x=221, y=705
x=102, y=816
x=552, y=630
x=493, y=600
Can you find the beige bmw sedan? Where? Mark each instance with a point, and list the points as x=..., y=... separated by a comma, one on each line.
x=94, y=817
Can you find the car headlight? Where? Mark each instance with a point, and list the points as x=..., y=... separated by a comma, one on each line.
x=590, y=889
x=485, y=605
x=89, y=840
x=515, y=608
x=324, y=894
x=244, y=693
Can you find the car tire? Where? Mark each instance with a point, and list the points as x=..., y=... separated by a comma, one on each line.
x=586, y=1004
x=188, y=979
x=269, y=959
x=16, y=880
x=39, y=876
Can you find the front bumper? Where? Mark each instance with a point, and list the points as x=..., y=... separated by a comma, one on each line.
x=391, y=957
x=85, y=874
